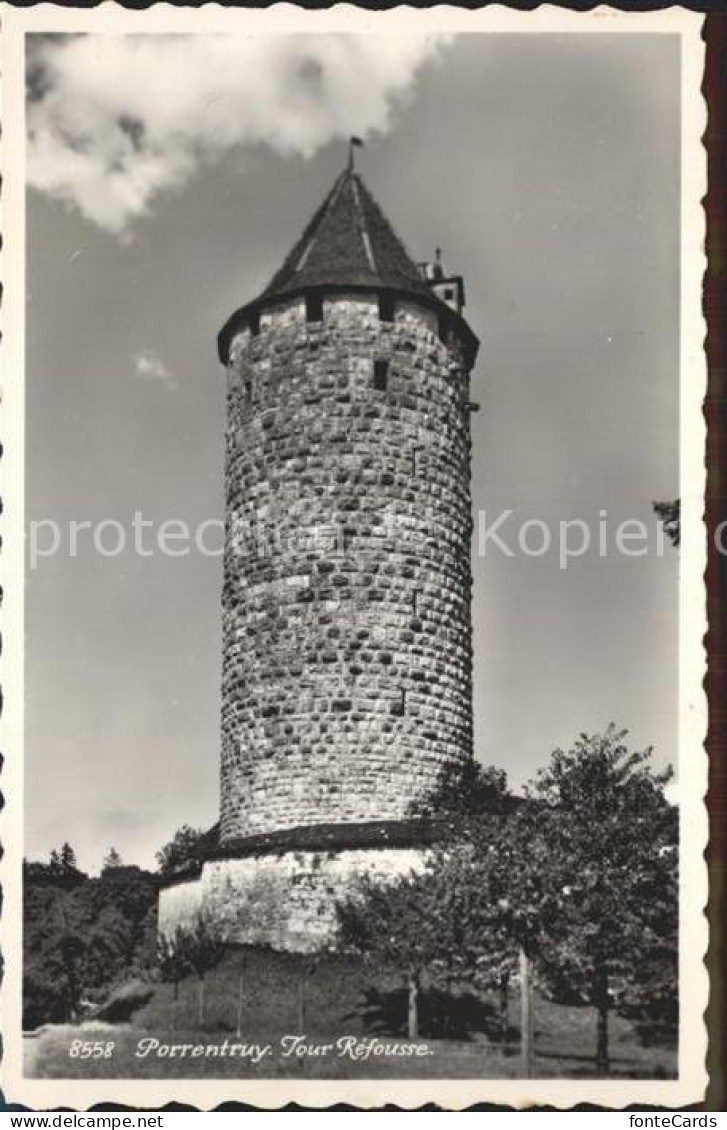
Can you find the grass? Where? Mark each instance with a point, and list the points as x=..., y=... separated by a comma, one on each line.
x=341, y=997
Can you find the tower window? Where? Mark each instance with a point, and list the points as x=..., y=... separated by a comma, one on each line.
x=398, y=708
x=443, y=328
x=255, y=323
x=314, y=308
x=386, y=307
x=449, y=294
x=381, y=374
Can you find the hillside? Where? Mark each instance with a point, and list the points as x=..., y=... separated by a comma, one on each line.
x=340, y=997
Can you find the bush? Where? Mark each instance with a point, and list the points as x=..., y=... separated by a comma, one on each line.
x=124, y=1002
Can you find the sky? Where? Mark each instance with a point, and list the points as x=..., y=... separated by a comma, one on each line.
x=167, y=180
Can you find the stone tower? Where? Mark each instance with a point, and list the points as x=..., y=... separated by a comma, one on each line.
x=347, y=650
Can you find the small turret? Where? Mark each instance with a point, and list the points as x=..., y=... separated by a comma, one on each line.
x=447, y=287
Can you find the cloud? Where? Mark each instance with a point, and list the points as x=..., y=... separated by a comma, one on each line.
x=150, y=366
x=114, y=121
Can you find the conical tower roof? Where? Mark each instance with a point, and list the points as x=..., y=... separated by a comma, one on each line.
x=348, y=244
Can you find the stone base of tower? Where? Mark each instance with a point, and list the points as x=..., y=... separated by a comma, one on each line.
x=285, y=900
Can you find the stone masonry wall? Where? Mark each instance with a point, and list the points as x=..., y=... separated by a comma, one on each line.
x=346, y=605
x=286, y=901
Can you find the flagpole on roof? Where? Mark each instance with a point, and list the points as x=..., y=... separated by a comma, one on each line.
x=353, y=143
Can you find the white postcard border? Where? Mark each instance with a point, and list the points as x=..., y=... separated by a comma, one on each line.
x=455, y=1094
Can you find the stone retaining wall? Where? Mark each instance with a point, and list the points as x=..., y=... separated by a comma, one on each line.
x=286, y=901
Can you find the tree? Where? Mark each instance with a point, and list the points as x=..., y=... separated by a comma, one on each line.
x=609, y=837
x=401, y=923
x=205, y=946
x=183, y=850
x=468, y=789
x=477, y=904
x=477, y=944
x=508, y=876
x=669, y=515
x=173, y=962
x=500, y=880
x=577, y=883
x=81, y=936
x=457, y=918
x=111, y=861
x=61, y=865
x=68, y=858
x=67, y=956
x=35, y=871
x=651, y=1002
